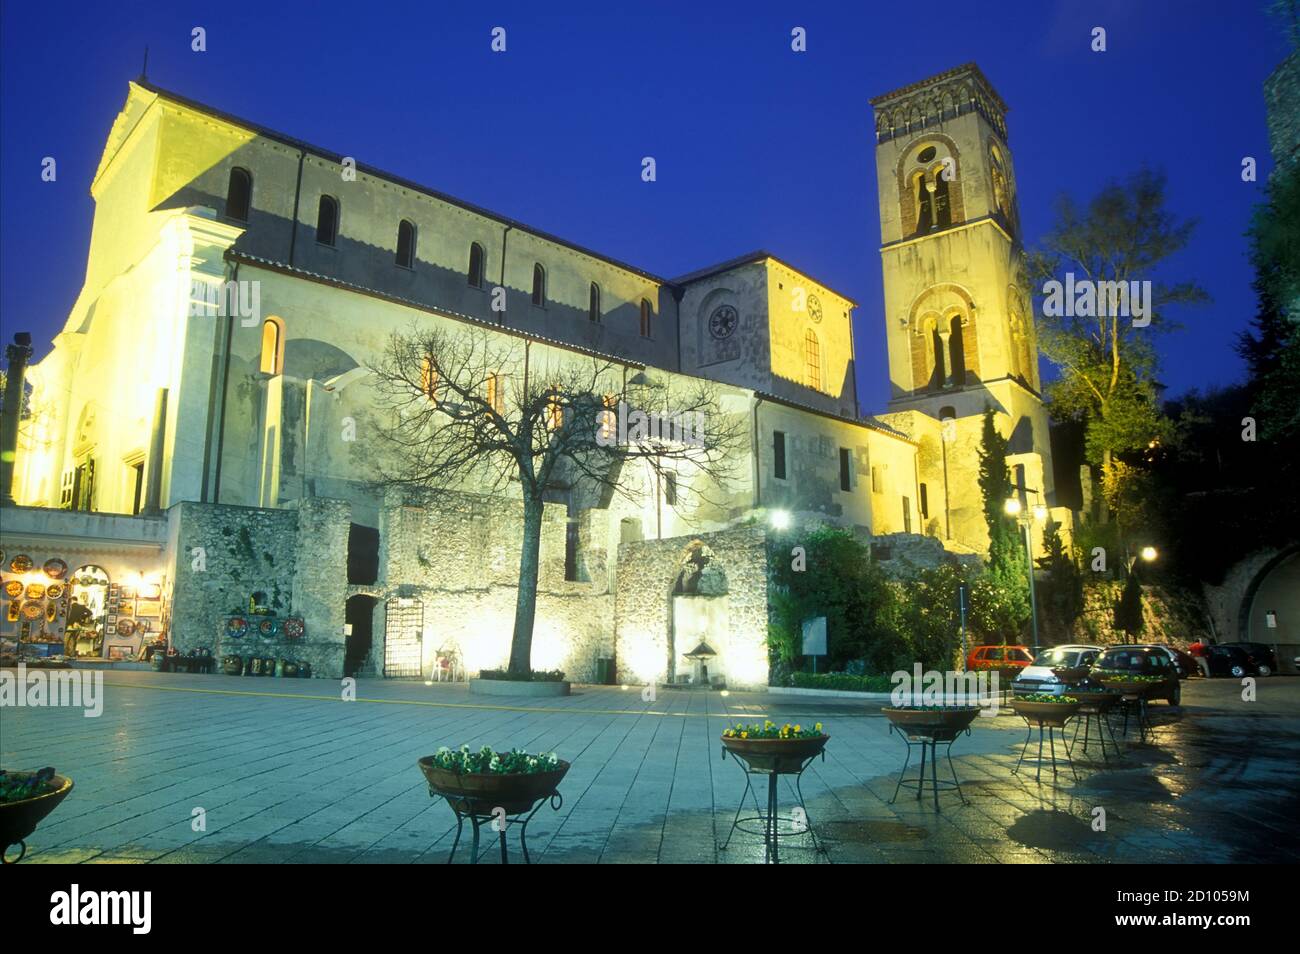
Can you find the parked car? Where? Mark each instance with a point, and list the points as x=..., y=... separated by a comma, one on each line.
x=1231, y=661
x=1184, y=662
x=995, y=657
x=1142, y=661
x=1261, y=654
x=1057, y=670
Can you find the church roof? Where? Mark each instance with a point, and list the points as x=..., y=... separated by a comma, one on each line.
x=965, y=69
x=758, y=255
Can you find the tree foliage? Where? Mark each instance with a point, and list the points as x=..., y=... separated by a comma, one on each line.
x=1000, y=597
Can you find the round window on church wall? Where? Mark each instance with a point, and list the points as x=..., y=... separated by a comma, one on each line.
x=926, y=154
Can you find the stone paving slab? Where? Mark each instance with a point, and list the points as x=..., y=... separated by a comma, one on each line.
x=286, y=771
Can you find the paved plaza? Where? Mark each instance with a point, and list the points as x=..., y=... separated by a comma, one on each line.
x=287, y=772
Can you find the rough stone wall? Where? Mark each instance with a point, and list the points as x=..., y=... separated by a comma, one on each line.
x=320, y=581
x=459, y=555
x=243, y=550
x=647, y=570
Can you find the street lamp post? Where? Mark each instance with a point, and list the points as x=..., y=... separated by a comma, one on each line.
x=1026, y=519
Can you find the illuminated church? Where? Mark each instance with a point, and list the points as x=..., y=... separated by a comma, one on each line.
x=204, y=450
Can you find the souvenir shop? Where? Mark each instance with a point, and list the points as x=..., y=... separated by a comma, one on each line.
x=96, y=607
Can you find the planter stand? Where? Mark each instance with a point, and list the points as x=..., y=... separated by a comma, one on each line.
x=770, y=819
x=916, y=737
x=1135, y=703
x=1051, y=744
x=469, y=809
x=1095, y=711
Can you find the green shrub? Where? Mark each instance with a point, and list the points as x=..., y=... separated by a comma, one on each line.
x=552, y=675
x=841, y=681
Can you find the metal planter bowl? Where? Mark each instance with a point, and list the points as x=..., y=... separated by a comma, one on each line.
x=782, y=756
x=942, y=725
x=481, y=793
x=19, y=819
x=1054, y=714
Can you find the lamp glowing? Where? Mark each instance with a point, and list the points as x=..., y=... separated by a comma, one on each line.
x=780, y=519
x=1012, y=507
x=1040, y=513
x=1149, y=554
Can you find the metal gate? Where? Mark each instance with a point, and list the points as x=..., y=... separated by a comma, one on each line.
x=404, y=639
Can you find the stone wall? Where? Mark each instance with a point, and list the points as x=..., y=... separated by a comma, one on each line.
x=647, y=571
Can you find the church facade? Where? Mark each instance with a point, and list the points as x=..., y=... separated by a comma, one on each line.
x=208, y=408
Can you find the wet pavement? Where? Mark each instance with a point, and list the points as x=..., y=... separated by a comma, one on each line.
x=284, y=770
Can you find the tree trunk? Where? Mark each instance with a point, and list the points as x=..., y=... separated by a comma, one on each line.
x=521, y=644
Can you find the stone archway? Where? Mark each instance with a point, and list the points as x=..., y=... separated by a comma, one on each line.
x=1270, y=606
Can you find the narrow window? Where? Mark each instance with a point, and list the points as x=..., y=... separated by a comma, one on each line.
x=65, y=490
x=670, y=489
x=845, y=477
x=476, y=265
x=429, y=378
x=925, y=501
x=778, y=454
x=239, y=194
x=327, y=221
x=907, y=515
x=609, y=419
x=539, y=285
x=554, y=410
x=593, y=305
x=875, y=480
x=406, y=244
x=137, y=482
x=812, y=356
x=940, y=376
x=496, y=397
x=957, y=352
x=924, y=207
x=645, y=318
x=942, y=208
x=271, y=351
x=571, y=551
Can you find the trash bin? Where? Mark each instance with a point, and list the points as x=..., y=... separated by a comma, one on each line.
x=604, y=671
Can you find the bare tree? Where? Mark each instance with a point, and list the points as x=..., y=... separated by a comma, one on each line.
x=472, y=408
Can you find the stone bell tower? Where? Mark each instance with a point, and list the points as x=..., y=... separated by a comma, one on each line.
x=958, y=319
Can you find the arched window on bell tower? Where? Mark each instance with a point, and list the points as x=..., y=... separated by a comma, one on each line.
x=940, y=364
x=940, y=202
x=956, y=352
x=923, y=203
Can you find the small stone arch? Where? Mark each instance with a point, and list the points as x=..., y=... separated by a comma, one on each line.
x=698, y=606
x=908, y=167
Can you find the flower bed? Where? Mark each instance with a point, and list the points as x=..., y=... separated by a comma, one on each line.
x=1045, y=709
x=505, y=675
x=941, y=723
x=771, y=748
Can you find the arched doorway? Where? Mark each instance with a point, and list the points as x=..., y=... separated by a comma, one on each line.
x=359, y=618
x=1271, y=607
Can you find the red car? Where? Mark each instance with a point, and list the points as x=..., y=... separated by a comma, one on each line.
x=999, y=657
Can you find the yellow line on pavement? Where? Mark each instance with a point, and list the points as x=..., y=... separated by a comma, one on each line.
x=422, y=702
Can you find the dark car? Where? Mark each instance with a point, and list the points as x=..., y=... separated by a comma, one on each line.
x=1142, y=661
x=1185, y=663
x=1231, y=661
x=1261, y=654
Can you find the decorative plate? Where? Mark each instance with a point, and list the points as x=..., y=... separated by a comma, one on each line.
x=35, y=591
x=14, y=589
x=55, y=569
x=268, y=627
x=125, y=627
x=294, y=628
x=54, y=591
x=33, y=610
x=236, y=627
x=51, y=611
x=723, y=321
x=21, y=563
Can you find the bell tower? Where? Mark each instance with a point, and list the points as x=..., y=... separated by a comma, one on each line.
x=959, y=324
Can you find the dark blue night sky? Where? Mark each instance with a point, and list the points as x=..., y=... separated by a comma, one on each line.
x=757, y=147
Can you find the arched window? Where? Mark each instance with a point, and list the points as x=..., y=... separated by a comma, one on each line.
x=496, y=394
x=646, y=314
x=942, y=207
x=593, y=305
x=1001, y=191
x=239, y=194
x=272, y=347
x=812, y=358
x=957, y=352
x=940, y=375
x=539, y=285
x=924, y=203
x=327, y=221
x=476, y=264
x=406, y=244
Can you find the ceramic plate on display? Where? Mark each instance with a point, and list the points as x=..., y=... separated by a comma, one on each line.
x=268, y=627
x=293, y=628
x=33, y=610
x=14, y=589
x=54, y=591
x=237, y=626
x=21, y=563
x=35, y=591
x=55, y=569
x=125, y=627
x=51, y=611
